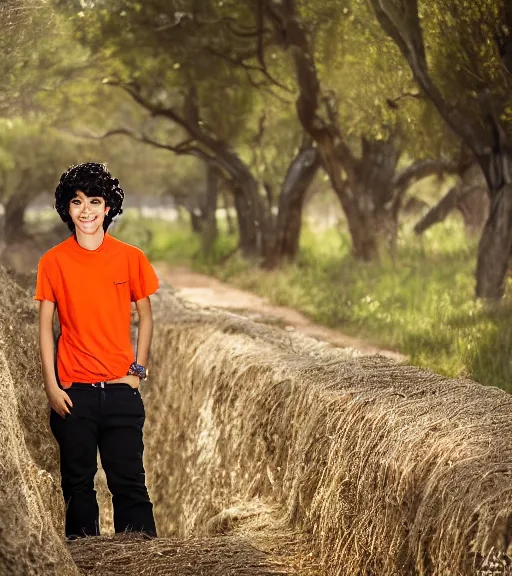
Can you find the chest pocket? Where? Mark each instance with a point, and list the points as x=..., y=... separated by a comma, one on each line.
x=122, y=288
x=118, y=274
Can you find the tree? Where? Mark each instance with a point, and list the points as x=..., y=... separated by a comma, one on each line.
x=363, y=168
x=474, y=44
x=33, y=157
x=189, y=66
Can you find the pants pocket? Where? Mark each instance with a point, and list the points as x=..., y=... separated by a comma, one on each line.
x=124, y=401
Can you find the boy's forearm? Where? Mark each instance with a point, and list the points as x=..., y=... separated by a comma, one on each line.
x=47, y=351
x=145, y=334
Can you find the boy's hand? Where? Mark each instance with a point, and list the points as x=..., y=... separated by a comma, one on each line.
x=132, y=380
x=59, y=401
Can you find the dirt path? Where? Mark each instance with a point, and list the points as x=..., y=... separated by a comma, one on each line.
x=208, y=291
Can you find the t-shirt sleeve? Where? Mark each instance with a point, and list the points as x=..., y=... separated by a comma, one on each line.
x=143, y=279
x=44, y=289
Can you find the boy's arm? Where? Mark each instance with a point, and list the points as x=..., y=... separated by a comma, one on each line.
x=145, y=331
x=46, y=344
x=59, y=400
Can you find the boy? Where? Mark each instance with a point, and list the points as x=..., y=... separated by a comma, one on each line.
x=91, y=278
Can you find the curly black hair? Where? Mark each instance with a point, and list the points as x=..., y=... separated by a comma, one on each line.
x=93, y=180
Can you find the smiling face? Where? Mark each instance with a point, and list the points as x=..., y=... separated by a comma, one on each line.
x=87, y=213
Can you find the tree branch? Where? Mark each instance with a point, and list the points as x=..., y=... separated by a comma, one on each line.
x=187, y=147
x=438, y=212
x=402, y=24
x=453, y=199
x=239, y=62
x=264, y=86
x=193, y=128
x=220, y=151
x=421, y=169
x=260, y=14
x=229, y=21
x=392, y=102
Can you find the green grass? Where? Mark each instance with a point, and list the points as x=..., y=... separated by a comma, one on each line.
x=421, y=303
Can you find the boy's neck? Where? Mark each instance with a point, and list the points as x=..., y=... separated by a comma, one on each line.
x=90, y=241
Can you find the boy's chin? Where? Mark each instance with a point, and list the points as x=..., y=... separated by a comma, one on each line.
x=90, y=231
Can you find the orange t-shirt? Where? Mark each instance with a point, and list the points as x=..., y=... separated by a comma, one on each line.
x=93, y=291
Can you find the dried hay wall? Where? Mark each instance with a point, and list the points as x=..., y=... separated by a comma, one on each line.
x=31, y=508
x=389, y=469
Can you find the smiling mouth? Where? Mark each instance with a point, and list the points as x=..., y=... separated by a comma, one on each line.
x=89, y=220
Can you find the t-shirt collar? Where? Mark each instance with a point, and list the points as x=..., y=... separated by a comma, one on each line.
x=82, y=250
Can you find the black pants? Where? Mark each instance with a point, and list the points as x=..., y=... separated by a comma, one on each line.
x=111, y=419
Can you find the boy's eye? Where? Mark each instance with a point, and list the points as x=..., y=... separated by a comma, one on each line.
x=95, y=201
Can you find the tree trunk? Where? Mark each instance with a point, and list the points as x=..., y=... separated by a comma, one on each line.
x=209, y=232
x=474, y=207
x=375, y=197
x=372, y=230
x=196, y=220
x=14, y=218
x=371, y=199
x=247, y=231
x=495, y=247
x=300, y=174
x=252, y=212
x=474, y=202
x=227, y=209
x=496, y=242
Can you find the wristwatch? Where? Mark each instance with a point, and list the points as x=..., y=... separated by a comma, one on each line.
x=138, y=370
